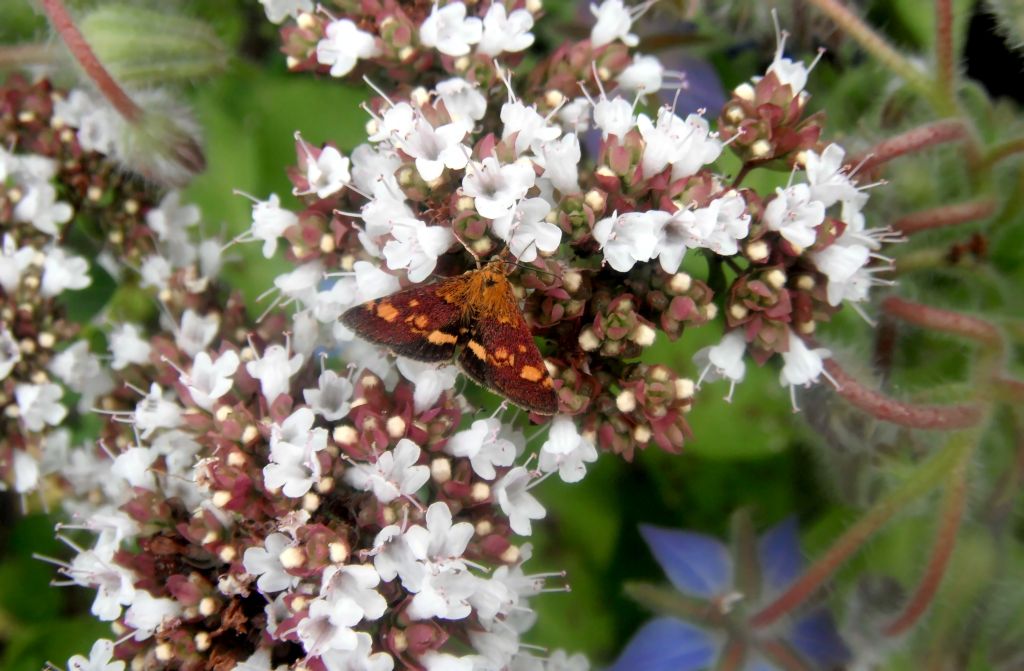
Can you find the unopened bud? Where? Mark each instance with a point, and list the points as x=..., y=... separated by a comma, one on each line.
x=480, y=492
x=757, y=251
x=338, y=552
x=553, y=98
x=484, y=528
x=465, y=204
x=164, y=652
x=249, y=434
x=441, y=470
x=775, y=278
x=680, y=283
x=395, y=426
x=292, y=557
x=221, y=498
x=737, y=311
x=744, y=91
x=806, y=328
x=419, y=96
x=596, y=200
x=310, y=502
x=641, y=433
x=588, y=340
x=761, y=148
x=344, y=435
x=571, y=281
x=510, y=555
x=805, y=282
x=202, y=641
x=643, y=335
x=734, y=114
x=207, y=606
x=626, y=401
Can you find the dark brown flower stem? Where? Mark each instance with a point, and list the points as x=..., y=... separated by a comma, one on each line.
x=65, y=26
x=944, y=216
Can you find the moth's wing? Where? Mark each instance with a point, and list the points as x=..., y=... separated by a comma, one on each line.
x=503, y=357
x=415, y=323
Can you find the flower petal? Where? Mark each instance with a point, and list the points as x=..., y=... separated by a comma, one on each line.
x=667, y=644
x=816, y=638
x=779, y=553
x=696, y=564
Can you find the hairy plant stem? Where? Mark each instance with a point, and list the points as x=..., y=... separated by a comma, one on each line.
x=945, y=215
x=925, y=478
x=911, y=141
x=942, y=550
x=671, y=602
x=20, y=56
x=945, y=75
x=945, y=321
x=65, y=26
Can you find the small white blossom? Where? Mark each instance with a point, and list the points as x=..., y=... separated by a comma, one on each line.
x=527, y=230
x=630, y=238
x=574, y=117
x=561, y=159
x=265, y=562
x=829, y=182
x=13, y=262
x=725, y=222
x=269, y=222
x=789, y=72
x=279, y=10
x=645, y=74
x=101, y=658
x=26, y=472
x=802, y=366
x=148, y=614
x=496, y=188
x=695, y=147
x=100, y=128
x=443, y=595
x=352, y=587
x=328, y=626
x=274, y=371
x=39, y=405
x=449, y=30
x=294, y=461
x=435, y=149
x=442, y=661
x=156, y=412
x=10, y=352
x=156, y=272
x=209, y=380
x=372, y=282
x=503, y=32
x=331, y=398
x=430, y=380
x=114, y=584
x=62, y=271
x=724, y=360
x=170, y=219
x=440, y=543
x=529, y=127
x=566, y=451
x=482, y=445
x=362, y=658
x=394, y=474
x=614, y=21
x=39, y=206
x=133, y=466
x=127, y=347
x=327, y=173
x=462, y=99
x=795, y=215
x=614, y=116
x=415, y=247
x=343, y=46
x=512, y=494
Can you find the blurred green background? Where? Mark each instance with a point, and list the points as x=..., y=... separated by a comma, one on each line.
x=754, y=453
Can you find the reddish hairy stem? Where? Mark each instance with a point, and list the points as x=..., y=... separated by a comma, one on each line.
x=913, y=140
x=888, y=409
x=943, y=320
x=945, y=215
x=62, y=22
x=942, y=550
x=946, y=74
x=1008, y=389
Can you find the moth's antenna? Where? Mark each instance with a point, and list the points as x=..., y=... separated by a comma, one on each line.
x=467, y=248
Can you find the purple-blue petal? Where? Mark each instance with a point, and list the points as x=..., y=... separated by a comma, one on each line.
x=667, y=644
x=695, y=564
x=758, y=663
x=815, y=637
x=779, y=553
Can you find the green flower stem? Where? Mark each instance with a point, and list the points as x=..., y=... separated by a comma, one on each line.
x=670, y=602
x=1004, y=150
x=877, y=46
x=927, y=476
x=65, y=26
x=945, y=215
x=942, y=550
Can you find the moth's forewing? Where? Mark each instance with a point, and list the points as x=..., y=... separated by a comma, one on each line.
x=503, y=357
x=415, y=323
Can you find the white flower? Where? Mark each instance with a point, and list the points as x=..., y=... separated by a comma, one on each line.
x=512, y=494
x=372, y=282
x=39, y=405
x=133, y=466
x=443, y=595
x=328, y=626
x=301, y=284
x=10, y=352
x=614, y=21
x=393, y=557
x=442, y=661
x=462, y=99
x=829, y=182
x=801, y=366
x=526, y=123
x=76, y=365
x=496, y=188
x=13, y=262
x=196, y=331
x=430, y=380
x=694, y=148
x=724, y=360
x=725, y=222
x=574, y=117
x=440, y=543
x=394, y=474
x=101, y=658
x=278, y=10
x=99, y=126
x=156, y=412
x=395, y=124
x=449, y=30
x=127, y=347
x=114, y=584
x=26, y=472
x=155, y=272
x=415, y=247
x=352, y=587
x=435, y=149
x=645, y=74
x=343, y=46
x=274, y=370
x=561, y=159
x=787, y=71
x=566, y=451
x=630, y=238
x=362, y=658
x=265, y=562
x=148, y=614
x=614, y=116
x=505, y=32
x=372, y=164
x=331, y=398
x=527, y=230
x=40, y=207
x=170, y=220
x=209, y=379
x=482, y=445
x=840, y=262
x=269, y=222
x=380, y=214
x=62, y=271
x=294, y=463
x=326, y=174
x=795, y=215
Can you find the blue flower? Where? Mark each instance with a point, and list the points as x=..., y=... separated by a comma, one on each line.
x=718, y=591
